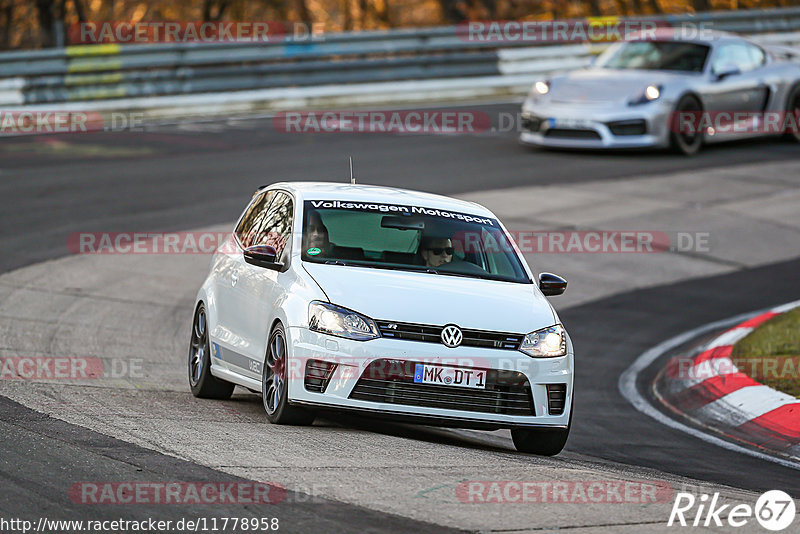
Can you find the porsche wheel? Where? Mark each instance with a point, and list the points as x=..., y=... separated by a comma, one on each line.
x=274, y=384
x=686, y=137
x=201, y=381
x=792, y=118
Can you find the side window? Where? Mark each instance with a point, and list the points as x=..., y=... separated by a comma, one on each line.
x=253, y=212
x=744, y=56
x=274, y=228
x=757, y=56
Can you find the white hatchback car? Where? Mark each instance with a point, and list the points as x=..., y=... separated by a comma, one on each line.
x=386, y=302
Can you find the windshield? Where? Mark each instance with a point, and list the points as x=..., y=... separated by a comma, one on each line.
x=656, y=55
x=389, y=236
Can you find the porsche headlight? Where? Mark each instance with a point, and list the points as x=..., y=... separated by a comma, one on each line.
x=548, y=342
x=338, y=321
x=541, y=88
x=650, y=94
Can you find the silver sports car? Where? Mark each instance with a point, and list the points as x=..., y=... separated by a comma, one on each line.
x=668, y=91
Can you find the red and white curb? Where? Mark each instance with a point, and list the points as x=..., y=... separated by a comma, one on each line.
x=709, y=390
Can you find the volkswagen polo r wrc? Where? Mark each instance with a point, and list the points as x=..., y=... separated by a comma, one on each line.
x=385, y=302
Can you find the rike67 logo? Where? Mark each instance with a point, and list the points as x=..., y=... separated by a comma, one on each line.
x=774, y=510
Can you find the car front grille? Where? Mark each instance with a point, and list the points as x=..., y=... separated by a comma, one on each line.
x=432, y=334
x=392, y=382
x=556, y=398
x=531, y=123
x=572, y=133
x=631, y=127
x=318, y=374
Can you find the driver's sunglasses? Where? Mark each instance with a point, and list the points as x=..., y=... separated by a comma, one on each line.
x=438, y=251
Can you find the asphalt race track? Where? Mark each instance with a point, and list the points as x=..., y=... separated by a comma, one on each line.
x=190, y=176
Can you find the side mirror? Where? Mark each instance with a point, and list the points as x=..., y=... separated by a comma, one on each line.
x=262, y=256
x=725, y=71
x=551, y=285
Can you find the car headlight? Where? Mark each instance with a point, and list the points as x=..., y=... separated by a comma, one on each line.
x=338, y=321
x=539, y=89
x=548, y=342
x=650, y=94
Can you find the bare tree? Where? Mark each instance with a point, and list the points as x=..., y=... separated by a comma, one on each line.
x=454, y=11
x=213, y=10
x=7, y=15
x=380, y=8
x=347, y=25
x=594, y=7
x=304, y=13
x=45, y=10
x=655, y=7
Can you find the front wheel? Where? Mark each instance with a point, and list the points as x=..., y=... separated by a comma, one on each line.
x=685, y=131
x=541, y=441
x=275, y=386
x=201, y=381
x=792, y=119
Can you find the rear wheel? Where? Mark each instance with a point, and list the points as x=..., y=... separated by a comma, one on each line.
x=201, y=381
x=541, y=441
x=274, y=384
x=686, y=136
x=792, y=119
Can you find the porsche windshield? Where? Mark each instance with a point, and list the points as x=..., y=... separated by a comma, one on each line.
x=656, y=55
x=412, y=238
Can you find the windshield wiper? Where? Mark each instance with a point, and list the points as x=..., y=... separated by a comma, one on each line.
x=335, y=262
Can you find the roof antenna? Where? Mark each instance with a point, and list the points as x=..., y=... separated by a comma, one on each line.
x=352, y=178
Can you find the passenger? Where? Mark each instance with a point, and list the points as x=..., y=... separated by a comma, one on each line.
x=315, y=236
x=436, y=251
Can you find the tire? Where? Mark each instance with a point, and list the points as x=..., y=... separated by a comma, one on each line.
x=793, y=108
x=274, y=384
x=202, y=383
x=540, y=441
x=686, y=143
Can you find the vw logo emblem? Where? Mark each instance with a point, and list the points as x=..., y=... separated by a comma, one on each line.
x=451, y=336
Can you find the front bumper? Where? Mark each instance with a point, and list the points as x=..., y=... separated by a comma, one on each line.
x=577, y=126
x=353, y=358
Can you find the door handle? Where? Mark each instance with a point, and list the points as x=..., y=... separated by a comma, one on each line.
x=234, y=278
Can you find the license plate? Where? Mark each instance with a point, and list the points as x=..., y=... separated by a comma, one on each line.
x=450, y=376
x=569, y=123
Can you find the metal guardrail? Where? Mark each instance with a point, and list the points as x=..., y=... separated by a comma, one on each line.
x=108, y=71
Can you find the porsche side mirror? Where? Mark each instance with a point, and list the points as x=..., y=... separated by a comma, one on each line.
x=725, y=71
x=262, y=256
x=551, y=284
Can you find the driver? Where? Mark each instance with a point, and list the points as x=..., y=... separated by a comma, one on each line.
x=436, y=251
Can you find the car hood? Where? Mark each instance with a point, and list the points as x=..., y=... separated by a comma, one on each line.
x=605, y=85
x=423, y=298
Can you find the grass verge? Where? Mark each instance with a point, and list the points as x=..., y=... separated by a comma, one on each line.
x=770, y=354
